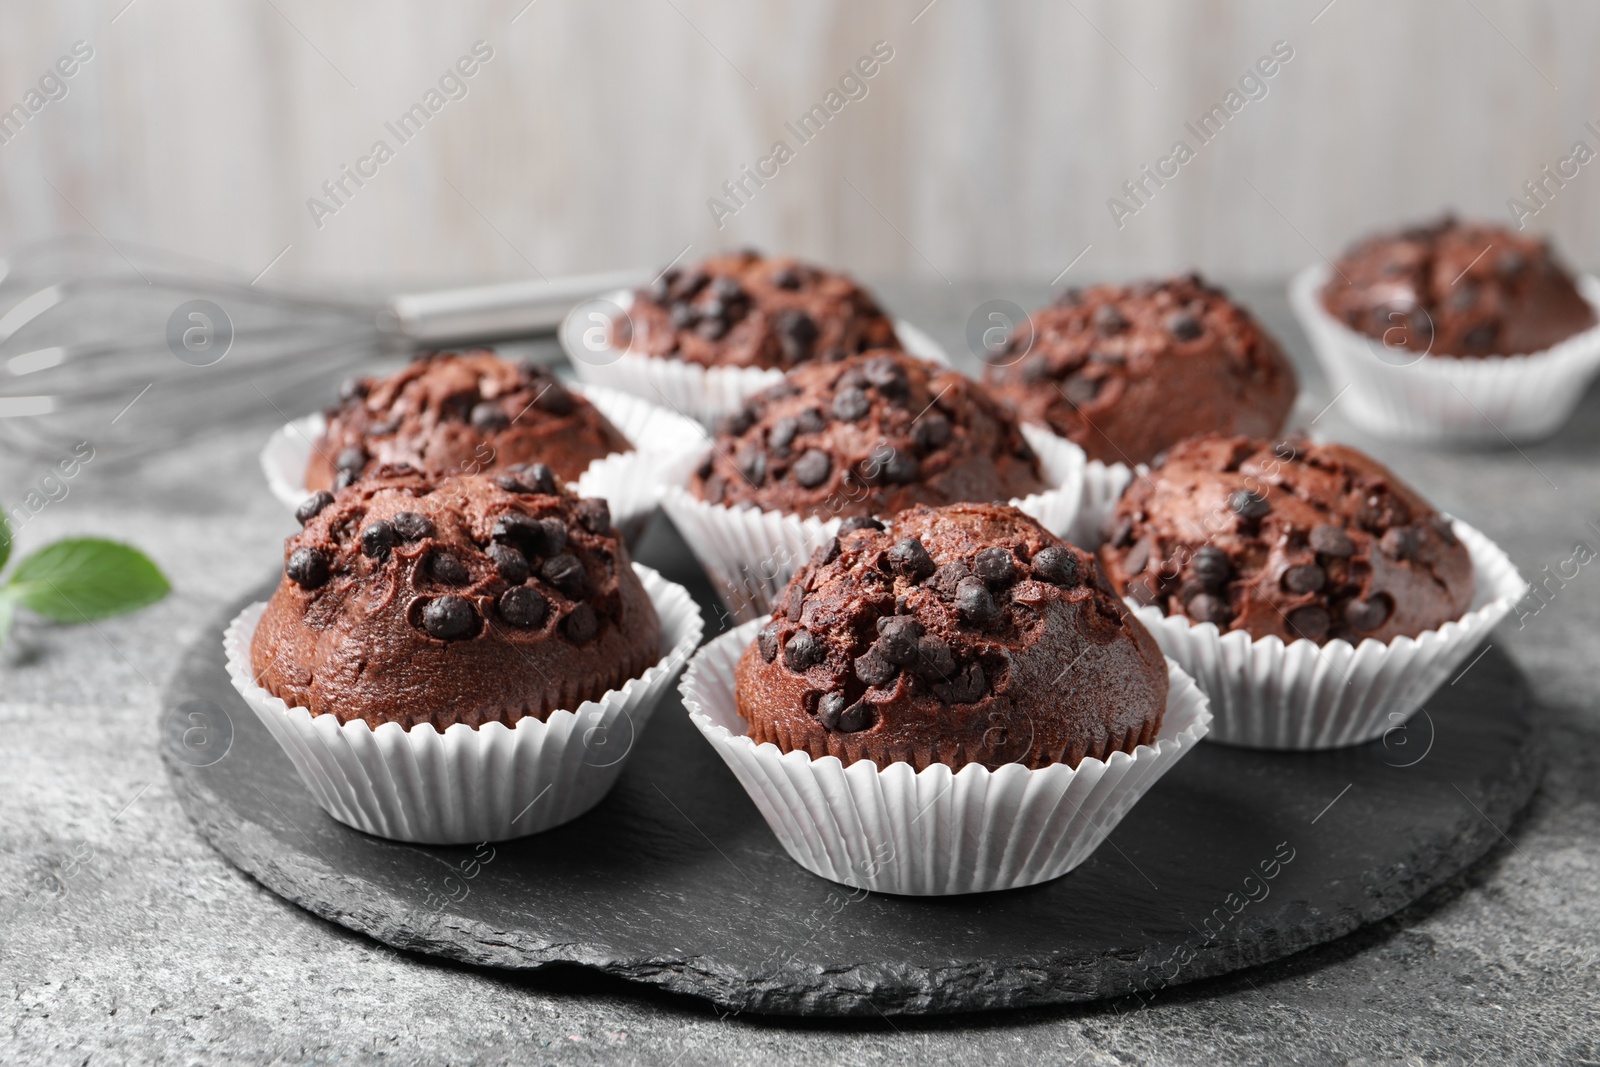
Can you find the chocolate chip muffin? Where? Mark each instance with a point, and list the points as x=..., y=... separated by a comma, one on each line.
x=1457, y=289
x=414, y=599
x=460, y=413
x=962, y=634
x=868, y=435
x=1287, y=540
x=1127, y=371
x=749, y=310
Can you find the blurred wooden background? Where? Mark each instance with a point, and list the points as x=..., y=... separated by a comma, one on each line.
x=594, y=136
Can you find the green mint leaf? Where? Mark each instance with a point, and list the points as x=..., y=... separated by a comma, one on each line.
x=5, y=545
x=85, y=578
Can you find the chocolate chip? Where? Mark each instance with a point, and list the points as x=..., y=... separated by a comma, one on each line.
x=1382, y=510
x=1310, y=622
x=910, y=559
x=551, y=537
x=523, y=607
x=377, y=539
x=794, y=602
x=736, y=424
x=873, y=669
x=1034, y=370
x=947, y=577
x=1080, y=390
x=782, y=435
x=859, y=522
x=353, y=389
x=307, y=568
x=446, y=568
x=1249, y=505
x=996, y=565
x=966, y=687
x=1480, y=336
x=850, y=405
x=752, y=463
x=712, y=328
x=812, y=421
x=829, y=708
x=690, y=283
x=1331, y=540
x=886, y=374
x=727, y=289
x=450, y=618
x=684, y=316
x=857, y=717
x=897, y=639
x=1108, y=320
x=786, y=278
x=892, y=465
x=581, y=624
x=1058, y=566
x=1305, y=578
x=1510, y=262
x=1183, y=326
x=1121, y=533
x=931, y=431
x=509, y=483
x=1400, y=542
x=797, y=332
x=566, y=574
x=1464, y=297
x=1368, y=613
x=1210, y=564
x=934, y=659
x=813, y=468
x=976, y=603
x=554, y=399
x=1208, y=608
x=595, y=515
x=802, y=651
x=767, y=642
x=1445, y=530
x=512, y=565
x=536, y=477
x=487, y=417
x=312, y=506
x=351, y=460
x=825, y=554
x=1137, y=557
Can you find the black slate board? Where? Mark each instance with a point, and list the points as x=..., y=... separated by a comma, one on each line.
x=675, y=880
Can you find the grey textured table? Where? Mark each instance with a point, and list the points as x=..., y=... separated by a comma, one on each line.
x=125, y=938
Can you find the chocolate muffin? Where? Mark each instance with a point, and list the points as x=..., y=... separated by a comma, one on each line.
x=460, y=413
x=962, y=634
x=414, y=599
x=749, y=310
x=868, y=435
x=1127, y=371
x=1457, y=289
x=1287, y=540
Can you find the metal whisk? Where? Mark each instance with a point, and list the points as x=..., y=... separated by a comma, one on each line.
x=137, y=350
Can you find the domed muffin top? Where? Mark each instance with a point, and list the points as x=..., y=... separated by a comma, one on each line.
x=1127, y=371
x=955, y=635
x=415, y=599
x=1290, y=540
x=749, y=310
x=1455, y=288
x=460, y=413
x=868, y=435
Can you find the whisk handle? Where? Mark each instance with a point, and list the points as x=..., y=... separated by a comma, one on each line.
x=511, y=309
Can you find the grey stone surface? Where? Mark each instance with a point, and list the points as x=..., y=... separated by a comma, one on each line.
x=123, y=937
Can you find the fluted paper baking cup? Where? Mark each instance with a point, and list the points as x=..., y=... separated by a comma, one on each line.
x=1103, y=484
x=698, y=392
x=934, y=832
x=1442, y=398
x=470, y=784
x=1266, y=693
x=666, y=446
x=750, y=554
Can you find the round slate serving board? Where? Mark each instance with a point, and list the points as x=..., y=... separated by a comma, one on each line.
x=1233, y=859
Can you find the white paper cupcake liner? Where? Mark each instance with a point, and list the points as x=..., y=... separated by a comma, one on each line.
x=933, y=832
x=666, y=447
x=703, y=393
x=1301, y=695
x=467, y=784
x=750, y=554
x=1439, y=398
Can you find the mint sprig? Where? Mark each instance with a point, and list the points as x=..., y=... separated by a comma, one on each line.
x=78, y=579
